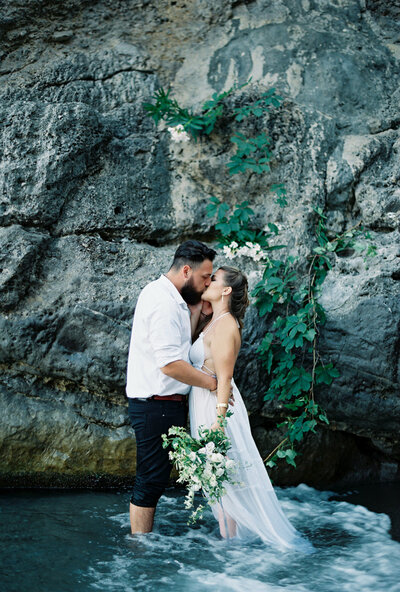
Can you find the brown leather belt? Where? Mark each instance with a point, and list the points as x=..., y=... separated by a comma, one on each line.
x=169, y=397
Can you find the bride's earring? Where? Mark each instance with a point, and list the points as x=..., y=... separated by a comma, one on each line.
x=222, y=298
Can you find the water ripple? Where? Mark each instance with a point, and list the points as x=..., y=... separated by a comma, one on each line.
x=79, y=542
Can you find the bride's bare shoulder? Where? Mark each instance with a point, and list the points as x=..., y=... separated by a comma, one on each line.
x=228, y=325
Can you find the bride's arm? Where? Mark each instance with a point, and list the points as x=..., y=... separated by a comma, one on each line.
x=200, y=314
x=225, y=345
x=195, y=312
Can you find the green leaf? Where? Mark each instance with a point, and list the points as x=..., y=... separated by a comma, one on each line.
x=309, y=425
x=224, y=228
x=269, y=361
x=325, y=374
x=301, y=378
x=289, y=455
x=269, y=395
x=273, y=228
x=310, y=334
x=266, y=342
x=222, y=211
x=299, y=341
x=265, y=307
x=319, y=211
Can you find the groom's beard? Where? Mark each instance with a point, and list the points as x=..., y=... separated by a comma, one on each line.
x=189, y=294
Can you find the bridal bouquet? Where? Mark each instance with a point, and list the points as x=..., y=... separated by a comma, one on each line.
x=202, y=464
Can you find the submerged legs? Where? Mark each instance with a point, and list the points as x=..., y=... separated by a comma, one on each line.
x=227, y=526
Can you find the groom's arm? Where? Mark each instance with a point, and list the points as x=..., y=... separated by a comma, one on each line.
x=184, y=372
x=165, y=336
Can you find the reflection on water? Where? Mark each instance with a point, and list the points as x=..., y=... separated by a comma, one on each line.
x=79, y=542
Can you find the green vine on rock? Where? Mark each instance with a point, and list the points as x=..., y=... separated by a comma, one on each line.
x=173, y=114
x=289, y=351
x=252, y=152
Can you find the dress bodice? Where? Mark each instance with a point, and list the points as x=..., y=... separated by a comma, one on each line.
x=196, y=352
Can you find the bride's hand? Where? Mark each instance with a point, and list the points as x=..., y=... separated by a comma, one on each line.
x=217, y=426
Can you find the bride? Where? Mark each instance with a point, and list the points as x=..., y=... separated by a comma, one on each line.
x=250, y=509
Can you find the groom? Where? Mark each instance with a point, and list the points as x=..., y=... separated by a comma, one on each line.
x=159, y=374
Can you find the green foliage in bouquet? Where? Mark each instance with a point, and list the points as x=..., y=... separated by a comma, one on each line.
x=202, y=464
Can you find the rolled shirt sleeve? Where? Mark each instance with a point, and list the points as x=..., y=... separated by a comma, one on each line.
x=160, y=335
x=165, y=335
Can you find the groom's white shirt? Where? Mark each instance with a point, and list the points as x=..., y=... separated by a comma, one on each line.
x=161, y=334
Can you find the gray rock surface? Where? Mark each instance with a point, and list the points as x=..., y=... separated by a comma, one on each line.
x=94, y=200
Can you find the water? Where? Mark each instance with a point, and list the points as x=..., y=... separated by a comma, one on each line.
x=79, y=542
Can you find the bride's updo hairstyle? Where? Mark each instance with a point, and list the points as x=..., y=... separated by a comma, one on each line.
x=239, y=299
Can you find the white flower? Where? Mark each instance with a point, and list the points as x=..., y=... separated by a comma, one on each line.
x=206, y=469
x=243, y=251
x=228, y=252
x=207, y=472
x=209, y=447
x=178, y=133
x=217, y=457
x=189, y=500
x=233, y=245
x=252, y=250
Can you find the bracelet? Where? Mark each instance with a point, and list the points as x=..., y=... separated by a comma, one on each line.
x=222, y=405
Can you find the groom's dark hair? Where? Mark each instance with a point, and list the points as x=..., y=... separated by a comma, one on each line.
x=193, y=253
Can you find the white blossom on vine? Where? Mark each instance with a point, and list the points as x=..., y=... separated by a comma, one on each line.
x=249, y=249
x=178, y=133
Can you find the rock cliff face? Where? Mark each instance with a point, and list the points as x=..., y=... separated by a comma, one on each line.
x=94, y=200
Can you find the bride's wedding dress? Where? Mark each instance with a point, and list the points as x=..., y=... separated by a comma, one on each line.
x=252, y=508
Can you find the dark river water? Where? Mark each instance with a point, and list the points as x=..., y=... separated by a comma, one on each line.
x=79, y=541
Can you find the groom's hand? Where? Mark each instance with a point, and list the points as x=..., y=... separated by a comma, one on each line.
x=213, y=385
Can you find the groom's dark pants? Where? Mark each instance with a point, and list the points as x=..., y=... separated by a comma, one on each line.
x=150, y=418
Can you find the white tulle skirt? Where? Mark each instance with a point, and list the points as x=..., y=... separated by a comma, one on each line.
x=251, y=509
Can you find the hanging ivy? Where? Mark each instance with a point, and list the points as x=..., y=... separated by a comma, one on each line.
x=289, y=350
